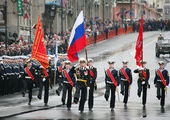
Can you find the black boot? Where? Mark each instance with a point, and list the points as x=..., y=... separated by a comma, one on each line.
x=29, y=103
x=39, y=97
x=57, y=92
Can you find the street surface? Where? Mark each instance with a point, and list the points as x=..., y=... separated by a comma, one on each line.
x=118, y=48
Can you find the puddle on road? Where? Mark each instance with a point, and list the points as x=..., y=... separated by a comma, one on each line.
x=111, y=53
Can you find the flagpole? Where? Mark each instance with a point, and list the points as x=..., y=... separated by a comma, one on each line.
x=142, y=37
x=142, y=29
x=54, y=77
x=55, y=64
x=86, y=54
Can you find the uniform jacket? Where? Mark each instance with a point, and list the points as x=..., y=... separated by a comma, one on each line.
x=59, y=72
x=114, y=72
x=128, y=72
x=141, y=76
x=71, y=74
x=165, y=75
x=92, y=79
x=82, y=73
x=26, y=76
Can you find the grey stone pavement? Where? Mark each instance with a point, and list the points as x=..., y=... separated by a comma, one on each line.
x=122, y=47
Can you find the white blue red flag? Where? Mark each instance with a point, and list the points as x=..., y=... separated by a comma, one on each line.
x=77, y=38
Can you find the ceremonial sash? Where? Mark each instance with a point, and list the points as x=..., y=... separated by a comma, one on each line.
x=45, y=72
x=111, y=77
x=125, y=74
x=91, y=73
x=68, y=77
x=161, y=76
x=60, y=68
x=29, y=73
x=144, y=73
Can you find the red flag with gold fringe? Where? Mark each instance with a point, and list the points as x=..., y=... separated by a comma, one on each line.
x=39, y=49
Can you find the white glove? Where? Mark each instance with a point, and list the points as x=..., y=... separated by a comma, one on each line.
x=143, y=82
x=87, y=67
x=76, y=65
x=44, y=79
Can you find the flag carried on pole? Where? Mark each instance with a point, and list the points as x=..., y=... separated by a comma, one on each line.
x=77, y=38
x=139, y=44
x=39, y=49
x=56, y=55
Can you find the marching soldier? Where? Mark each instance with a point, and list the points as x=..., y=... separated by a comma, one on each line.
x=125, y=80
x=93, y=85
x=45, y=81
x=112, y=81
x=59, y=76
x=68, y=83
x=161, y=81
x=29, y=74
x=82, y=84
x=143, y=81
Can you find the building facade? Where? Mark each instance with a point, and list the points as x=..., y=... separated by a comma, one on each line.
x=167, y=9
x=22, y=23
x=150, y=9
x=60, y=15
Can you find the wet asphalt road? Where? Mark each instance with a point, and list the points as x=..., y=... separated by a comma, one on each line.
x=118, y=49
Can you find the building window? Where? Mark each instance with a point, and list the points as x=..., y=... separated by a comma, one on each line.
x=167, y=1
x=167, y=11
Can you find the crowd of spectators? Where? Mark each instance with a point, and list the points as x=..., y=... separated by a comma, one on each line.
x=93, y=28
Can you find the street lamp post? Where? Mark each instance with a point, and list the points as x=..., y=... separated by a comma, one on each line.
x=6, y=36
x=61, y=19
x=30, y=15
x=131, y=10
x=103, y=14
x=52, y=15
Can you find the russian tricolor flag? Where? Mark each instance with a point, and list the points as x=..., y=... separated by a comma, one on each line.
x=77, y=38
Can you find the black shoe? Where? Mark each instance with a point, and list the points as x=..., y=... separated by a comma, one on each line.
x=45, y=104
x=159, y=97
x=162, y=109
x=57, y=92
x=106, y=98
x=112, y=109
x=39, y=97
x=125, y=105
x=139, y=94
x=23, y=94
x=29, y=103
x=68, y=109
x=63, y=103
x=122, y=92
x=75, y=100
x=81, y=111
x=90, y=109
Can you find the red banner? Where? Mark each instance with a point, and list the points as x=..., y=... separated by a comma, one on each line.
x=139, y=45
x=38, y=49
